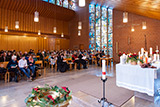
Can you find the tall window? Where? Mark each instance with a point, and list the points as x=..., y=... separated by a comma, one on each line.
x=45, y=0
x=59, y=2
x=100, y=20
x=65, y=3
x=52, y=1
x=70, y=4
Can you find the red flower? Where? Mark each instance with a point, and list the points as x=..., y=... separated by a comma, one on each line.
x=50, y=97
x=65, y=89
x=36, y=89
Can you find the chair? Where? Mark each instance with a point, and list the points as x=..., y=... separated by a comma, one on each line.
x=70, y=64
x=7, y=74
x=94, y=60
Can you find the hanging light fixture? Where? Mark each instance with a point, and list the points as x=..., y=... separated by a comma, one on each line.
x=17, y=24
x=79, y=25
x=39, y=32
x=125, y=17
x=82, y=3
x=45, y=37
x=132, y=28
x=79, y=33
x=6, y=29
x=62, y=35
x=36, y=16
x=144, y=26
x=54, y=30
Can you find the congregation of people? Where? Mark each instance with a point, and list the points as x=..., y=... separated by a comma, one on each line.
x=24, y=63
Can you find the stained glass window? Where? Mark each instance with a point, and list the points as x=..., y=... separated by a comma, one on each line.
x=45, y=0
x=100, y=38
x=104, y=28
x=92, y=26
x=72, y=4
x=110, y=32
x=65, y=3
x=59, y=2
x=98, y=27
x=52, y=1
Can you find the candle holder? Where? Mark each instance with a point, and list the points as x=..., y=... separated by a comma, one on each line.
x=104, y=100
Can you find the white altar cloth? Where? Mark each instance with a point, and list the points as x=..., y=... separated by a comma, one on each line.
x=135, y=78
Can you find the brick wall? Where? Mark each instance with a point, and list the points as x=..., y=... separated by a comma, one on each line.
x=133, y=41
x=82, y=14
x=121, y=32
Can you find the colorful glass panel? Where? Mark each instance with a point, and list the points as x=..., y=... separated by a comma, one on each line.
x=104, y=28
x=65, y=3
x=110, y=33
x=45, y=0
x=72, y=4
x=52, y=1
x=98, y=27
x=92, y=26
x=59, y=2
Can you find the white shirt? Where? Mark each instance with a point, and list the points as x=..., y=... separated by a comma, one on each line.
x=22, y=63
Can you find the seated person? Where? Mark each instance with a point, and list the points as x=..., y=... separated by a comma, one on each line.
x=24, y=67
x=82, y=60
x=53, y=60
x=75, y=59
x=12, y=67
x=31, y=65
x=8, y=58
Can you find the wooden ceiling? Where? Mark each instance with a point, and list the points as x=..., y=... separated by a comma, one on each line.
x=45, y=9
x=148, y=8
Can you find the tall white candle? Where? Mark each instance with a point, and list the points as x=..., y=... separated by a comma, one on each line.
x=157, y=47
x=151, y=51
x=157, y=57
x=139, y=54
x=103, y=69
x=142, y=51
x=146, y=53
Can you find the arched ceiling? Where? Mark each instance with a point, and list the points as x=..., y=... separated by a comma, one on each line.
x=148, y=8
x=45, y=9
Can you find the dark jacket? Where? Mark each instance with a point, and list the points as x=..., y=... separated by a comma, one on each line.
x=12, y=63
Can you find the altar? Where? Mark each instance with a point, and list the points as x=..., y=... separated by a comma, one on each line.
x=143, y=81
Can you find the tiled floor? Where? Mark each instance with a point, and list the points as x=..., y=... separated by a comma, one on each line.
x=13, y=94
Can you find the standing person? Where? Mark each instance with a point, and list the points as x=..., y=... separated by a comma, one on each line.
x=24, y=67
x=59, y=61
x=31, y=66
x=12, y=67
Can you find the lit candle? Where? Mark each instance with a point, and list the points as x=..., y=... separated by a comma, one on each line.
x=150, y=51
x=103, y=69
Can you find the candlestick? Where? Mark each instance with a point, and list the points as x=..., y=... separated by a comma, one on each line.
x=103, y=69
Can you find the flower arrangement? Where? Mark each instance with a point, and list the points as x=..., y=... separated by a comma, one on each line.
x=49, y=96
x=134, y=58
x=120, y=54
